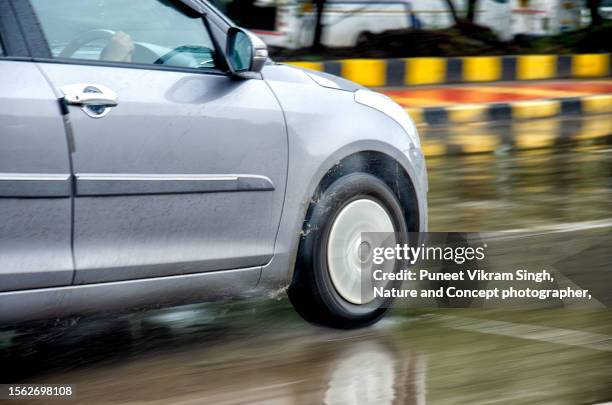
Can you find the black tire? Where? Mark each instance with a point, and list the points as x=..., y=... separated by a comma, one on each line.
x=312, y=292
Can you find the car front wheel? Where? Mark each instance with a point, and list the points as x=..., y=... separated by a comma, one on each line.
x=327, y=286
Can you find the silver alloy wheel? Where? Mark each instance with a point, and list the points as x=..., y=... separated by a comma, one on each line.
x=347, y=251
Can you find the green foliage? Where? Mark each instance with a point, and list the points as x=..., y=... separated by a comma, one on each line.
x=589, y=39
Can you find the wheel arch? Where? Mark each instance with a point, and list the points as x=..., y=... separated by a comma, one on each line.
x=378, y=164
x=384, y=167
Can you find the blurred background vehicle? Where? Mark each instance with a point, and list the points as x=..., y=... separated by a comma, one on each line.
x=293, y=23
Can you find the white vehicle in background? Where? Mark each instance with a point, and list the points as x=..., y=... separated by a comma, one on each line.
x=544, y=17
x=349, y=23
x=290, y=23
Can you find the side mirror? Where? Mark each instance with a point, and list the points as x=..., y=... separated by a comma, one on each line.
x=246, y=53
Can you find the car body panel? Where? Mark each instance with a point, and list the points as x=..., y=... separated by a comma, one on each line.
x=35, y=244
x=28, y=305
x=319, y=140
x=187, y=174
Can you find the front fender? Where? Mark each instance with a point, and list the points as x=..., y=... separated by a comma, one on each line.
x=324, y=127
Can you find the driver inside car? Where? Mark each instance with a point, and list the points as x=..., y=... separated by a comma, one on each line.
x=119, y=49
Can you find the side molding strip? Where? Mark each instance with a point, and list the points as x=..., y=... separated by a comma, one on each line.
x=139, y=184
x=26, y=185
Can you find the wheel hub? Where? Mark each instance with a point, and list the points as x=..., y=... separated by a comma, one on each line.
x=349, y=250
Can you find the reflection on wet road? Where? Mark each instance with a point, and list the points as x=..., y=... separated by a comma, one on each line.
x=529, y=189
x=261, y=352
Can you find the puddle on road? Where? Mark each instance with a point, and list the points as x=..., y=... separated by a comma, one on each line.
x=260, y=352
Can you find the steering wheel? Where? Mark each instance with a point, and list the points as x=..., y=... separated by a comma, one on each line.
x=84, y=39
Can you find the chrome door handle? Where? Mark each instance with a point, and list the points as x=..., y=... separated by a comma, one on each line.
x=89, y=94
x=96, y=100
x=82, y=99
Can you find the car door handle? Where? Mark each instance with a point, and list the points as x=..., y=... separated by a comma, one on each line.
x=81, y=99
x=95, y=100
x=89, y=95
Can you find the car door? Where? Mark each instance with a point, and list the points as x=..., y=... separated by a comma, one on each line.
x=35, y=192
x=178, y=167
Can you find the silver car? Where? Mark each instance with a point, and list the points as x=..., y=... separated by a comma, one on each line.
x=152, y=154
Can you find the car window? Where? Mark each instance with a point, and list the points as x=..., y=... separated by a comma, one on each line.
x=136, y=31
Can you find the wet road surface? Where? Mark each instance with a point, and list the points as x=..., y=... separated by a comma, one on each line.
x=546, y=187
x=259, y=351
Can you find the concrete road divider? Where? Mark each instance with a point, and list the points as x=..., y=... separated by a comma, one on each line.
x=538, y=133
x=517, y=110
x=469, y=69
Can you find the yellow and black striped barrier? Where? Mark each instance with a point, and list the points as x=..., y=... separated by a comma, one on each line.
x=512, y=111
x=543, y=133
x=518, y=125
x=434, y=70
